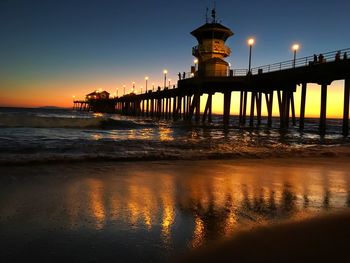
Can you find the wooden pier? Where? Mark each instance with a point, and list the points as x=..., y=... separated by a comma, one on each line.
x=214, y=75
x=262, y=84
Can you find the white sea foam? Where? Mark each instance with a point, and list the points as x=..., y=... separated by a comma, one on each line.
x=37, y=135
x=30, y=121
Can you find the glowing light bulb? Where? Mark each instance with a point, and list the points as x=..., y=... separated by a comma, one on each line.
x=251, y=41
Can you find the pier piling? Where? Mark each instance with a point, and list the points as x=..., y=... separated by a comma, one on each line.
x=346, y=107
x=323, y=108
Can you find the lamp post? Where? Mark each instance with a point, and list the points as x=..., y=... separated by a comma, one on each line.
x=146, y=78
x=165, y=72
x=124, y=89
x=153, y=86
x=195, y=61
x=295, y=48
x=133, y=87
x=251, y=42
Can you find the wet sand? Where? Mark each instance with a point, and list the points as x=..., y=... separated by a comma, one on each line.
x=320, y=239
x=156, y=211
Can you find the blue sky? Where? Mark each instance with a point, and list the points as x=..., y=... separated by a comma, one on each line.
x=107, y=43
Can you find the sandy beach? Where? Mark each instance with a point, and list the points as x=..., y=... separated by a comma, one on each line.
x=154, y=211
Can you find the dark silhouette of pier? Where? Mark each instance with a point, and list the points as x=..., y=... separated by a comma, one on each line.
x=213, y=75
x=183, y=102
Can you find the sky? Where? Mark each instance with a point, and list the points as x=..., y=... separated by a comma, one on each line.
x=51, y=50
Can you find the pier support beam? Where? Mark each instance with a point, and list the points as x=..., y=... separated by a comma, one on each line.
x=207, y=110
x=292, y=108
x=198, y=108
x=346, y=107
x=227, y=105
x=241, y=107
x=258, y=106
x=174, y=108
x=269, y=104
x=193, y=106
x=147, y=107
x=184, y=108
x=252, y=108
x=244, y=107
x=166, y=108
x=302, y=105
x=323, y=108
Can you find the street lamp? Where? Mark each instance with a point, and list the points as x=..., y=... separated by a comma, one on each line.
x=295, y=48
x=165, y=72
x=146, y=78
x=124, y=89
x=195, y=61
x=133, y=86
x=251, y=42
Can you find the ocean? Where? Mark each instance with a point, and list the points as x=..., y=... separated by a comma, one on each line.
x=85, y=187
x=50, y=135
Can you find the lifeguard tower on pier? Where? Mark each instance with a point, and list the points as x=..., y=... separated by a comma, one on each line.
x=211, y=50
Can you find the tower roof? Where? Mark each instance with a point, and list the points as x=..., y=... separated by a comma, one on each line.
x=212, y=30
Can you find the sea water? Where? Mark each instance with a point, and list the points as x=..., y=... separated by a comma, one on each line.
x=49, y=135
x=85, y=187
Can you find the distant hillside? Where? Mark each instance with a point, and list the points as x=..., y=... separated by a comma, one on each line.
x=51, y=108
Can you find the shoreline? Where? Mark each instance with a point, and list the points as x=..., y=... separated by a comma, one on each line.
x=321, y=152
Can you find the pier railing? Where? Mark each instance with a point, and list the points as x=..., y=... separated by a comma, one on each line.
x=284, y=65
x=221, y=73
x=302, y=62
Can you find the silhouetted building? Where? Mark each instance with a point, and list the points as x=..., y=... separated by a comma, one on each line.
x=97, y=95
x=211, y=50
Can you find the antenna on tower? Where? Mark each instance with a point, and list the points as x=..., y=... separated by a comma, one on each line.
x=213, y=13
x=206, y=15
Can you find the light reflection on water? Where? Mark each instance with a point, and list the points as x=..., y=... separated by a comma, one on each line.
x=181, y=205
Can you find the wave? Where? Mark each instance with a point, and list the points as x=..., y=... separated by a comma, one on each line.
x=23, y=121
x=127, y=153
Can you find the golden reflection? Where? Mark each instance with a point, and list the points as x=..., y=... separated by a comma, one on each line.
x=97, y=208
x=168, y=204
x=96, y=136
x=146, y=133
x=132, y=135
x=165, y=134
x=198, y=233
x=142, y=205
x=219, y=199
x=230, y=224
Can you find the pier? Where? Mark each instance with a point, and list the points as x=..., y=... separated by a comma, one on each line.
x=264, y=86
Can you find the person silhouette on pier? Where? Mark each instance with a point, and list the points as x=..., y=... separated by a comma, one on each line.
x=320, y=58
x=184, y=75
x=315, y=58
x=345, y=56
x=179, y=75
x=337, y=56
